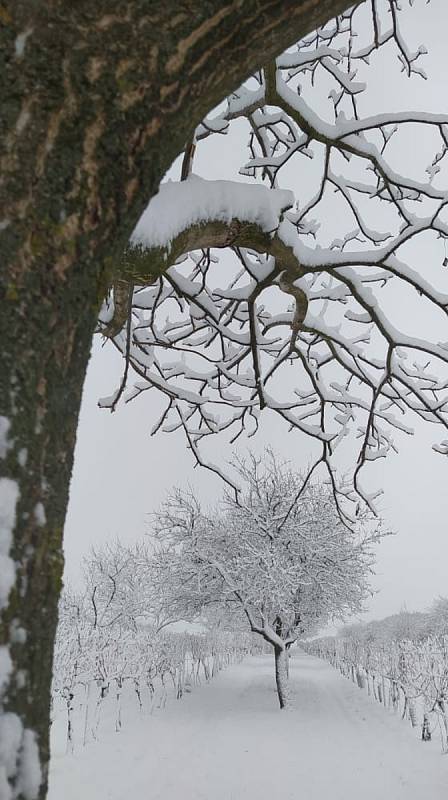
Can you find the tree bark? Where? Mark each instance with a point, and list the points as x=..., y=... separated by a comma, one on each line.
x=281, y=675
x=97, y=100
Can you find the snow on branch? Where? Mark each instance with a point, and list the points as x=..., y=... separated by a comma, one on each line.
x=179, y=206
x=297, y=318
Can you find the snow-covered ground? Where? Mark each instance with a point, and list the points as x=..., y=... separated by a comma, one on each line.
x=228, y=741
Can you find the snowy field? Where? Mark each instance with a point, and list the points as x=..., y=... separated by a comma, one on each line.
x=228, y=741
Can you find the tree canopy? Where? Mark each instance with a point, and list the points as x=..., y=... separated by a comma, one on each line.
x=277, y=554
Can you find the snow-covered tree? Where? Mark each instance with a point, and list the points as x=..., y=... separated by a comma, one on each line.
x=121, y=590
x=437, y=617
x=303, y=317
x=98, y=102
x=402, y=660
x=278, y=554
x=406, y=625
x=113, y=641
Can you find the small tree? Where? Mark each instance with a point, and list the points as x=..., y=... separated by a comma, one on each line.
x=277, y=553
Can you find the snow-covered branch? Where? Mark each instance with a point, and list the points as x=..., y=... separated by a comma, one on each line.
x=294, y=319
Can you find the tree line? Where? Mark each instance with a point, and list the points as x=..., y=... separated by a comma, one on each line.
x=108, y=664
x=401, y=661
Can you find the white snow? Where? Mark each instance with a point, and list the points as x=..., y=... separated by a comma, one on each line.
x=9, y=494
x=178, y=206
x=30, y=774
x=5, y=443
x=7, y=575
x=244, y=99
x=39, y=513
x=22, y=456
x=5, y=667
x=228, y=740
x=22, y=120
x=17, y=633
x=10, y=741
x=20, y=42
x=297, y=58
x=322, y=257
x=19, y=756
x=20, y=678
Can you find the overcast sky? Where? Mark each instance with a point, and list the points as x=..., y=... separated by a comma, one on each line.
x=121, y=474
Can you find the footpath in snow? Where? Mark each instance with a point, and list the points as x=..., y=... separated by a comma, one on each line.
x=229, y=741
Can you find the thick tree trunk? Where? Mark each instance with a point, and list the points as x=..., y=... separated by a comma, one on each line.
x=281, y=675
x=97, y=100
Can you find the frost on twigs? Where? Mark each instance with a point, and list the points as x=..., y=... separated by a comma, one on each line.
x=319, y=310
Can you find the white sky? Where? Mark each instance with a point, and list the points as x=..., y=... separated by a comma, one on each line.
x=121, y=474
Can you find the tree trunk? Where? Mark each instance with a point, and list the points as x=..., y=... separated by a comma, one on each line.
x=281, y=675
x=97, y=101
x=288, y=648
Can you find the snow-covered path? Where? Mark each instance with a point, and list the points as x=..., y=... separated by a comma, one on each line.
x=229, y=741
